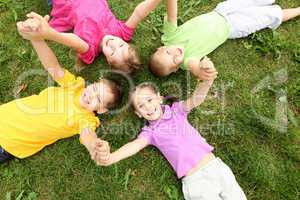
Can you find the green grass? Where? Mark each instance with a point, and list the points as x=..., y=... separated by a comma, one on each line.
x=264, y=156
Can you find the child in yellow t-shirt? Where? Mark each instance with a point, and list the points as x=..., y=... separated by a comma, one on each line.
x=29, y=124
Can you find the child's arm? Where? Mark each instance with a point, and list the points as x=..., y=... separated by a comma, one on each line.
x=47, y=58
x=141, y=11
x=202, y=89
x=172, y=11
x=46, y=32
x=125, y=151
x=90, y=140
x=198, y=69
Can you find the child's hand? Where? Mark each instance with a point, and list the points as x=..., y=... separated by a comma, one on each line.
x=101, y=154
x=35, y=27
x=31, y=24
x=207, y=71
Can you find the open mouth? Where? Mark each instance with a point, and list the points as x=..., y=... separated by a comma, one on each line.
x=149, y=114
x=84, y=97
x=180, y=51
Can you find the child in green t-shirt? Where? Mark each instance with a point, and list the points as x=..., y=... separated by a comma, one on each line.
x=187, y=44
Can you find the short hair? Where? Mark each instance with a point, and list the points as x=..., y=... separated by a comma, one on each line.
x=115, y=91
x=132, y=63
x=156, y=67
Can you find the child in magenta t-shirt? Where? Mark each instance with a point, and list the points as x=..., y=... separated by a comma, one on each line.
x=95, y=28
x=203, y=175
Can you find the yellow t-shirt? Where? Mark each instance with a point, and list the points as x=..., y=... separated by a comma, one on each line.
x=29, y=124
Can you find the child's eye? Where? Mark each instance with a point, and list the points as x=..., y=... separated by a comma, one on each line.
x=149, y=100
x=121, y=45
x=168, y=52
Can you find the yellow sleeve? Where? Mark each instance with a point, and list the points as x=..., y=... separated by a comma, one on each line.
x=69, y=80
x=91, y=122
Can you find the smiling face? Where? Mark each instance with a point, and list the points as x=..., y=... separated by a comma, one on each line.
x=166, y=60
x=96, y=97
x=147, y=103
x=115, y=49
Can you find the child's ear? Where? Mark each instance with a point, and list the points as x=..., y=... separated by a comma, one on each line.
x=138, y=114
x=102, y=110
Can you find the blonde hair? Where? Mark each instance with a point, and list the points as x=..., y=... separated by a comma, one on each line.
x=115, y=91
x=156, y=67
x=132, y=63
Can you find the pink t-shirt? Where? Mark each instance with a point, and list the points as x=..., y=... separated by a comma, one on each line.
x=175, y=137
x=91, y=21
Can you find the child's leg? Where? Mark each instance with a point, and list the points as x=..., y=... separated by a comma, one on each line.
x=290, y=13
x=229, y=6
x=231, y=190
x=249, y=20
x=4, y=156
x=204, y=184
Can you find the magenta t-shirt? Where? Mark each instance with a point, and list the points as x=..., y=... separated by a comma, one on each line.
x=175, y=137
x=91, y=21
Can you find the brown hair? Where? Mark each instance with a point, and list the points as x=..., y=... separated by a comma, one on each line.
x=156, y=66
x=132, y=63
x=115, y=91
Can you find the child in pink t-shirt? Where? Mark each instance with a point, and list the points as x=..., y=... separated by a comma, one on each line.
x=95, y=28
x=203, y=175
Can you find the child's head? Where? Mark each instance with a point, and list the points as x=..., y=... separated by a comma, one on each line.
x=166, y=60
x=147, y=101
x=119, y=54
x=100, y=96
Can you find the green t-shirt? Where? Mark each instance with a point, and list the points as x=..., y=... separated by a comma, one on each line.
x=199, y=36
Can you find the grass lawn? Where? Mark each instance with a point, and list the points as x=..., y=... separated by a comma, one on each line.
x=251, y=116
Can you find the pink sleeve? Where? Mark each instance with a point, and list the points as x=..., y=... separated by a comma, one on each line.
x=125, y=32
x=147, y=134
x=88, y=30
x=178, y=108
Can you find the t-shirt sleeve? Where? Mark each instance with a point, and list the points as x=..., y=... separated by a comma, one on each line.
x=125, y=32
x=178, y=108
x=147, y=134
x=168, y=27
x=70, y=81
x=87, y=29
x=88, y=122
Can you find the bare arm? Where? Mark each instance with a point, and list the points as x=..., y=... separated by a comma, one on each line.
x=69, y=39
x=202, y=88
x=200, y=69
x=141, y=11
x=125, y=151
x=88, y=138
x=45, y=32
x=172, y=11
x=48, y=59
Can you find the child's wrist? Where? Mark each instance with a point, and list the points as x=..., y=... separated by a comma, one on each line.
x=50, y=34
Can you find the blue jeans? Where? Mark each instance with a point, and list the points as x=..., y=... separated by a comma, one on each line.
x=4, y=155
